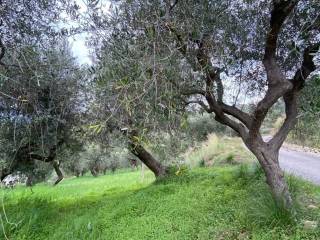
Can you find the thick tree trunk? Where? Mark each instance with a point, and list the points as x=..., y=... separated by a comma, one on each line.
x=94, y=172
x=56, y=167
x=279, y=187
x=140, y=152
x=30, y=180
x=269, y=160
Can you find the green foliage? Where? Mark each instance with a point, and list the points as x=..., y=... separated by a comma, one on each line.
x=306, y=131
x=41, y=106
x=230, y=159
x=243, y=172
x=169, y=148
x=200, y=125
x=200, y=204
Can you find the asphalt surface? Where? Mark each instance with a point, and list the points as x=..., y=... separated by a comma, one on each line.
x=303, y=164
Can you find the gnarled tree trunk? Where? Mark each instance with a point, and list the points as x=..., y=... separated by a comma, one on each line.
x=50, y=159
x=279, y=85
x=140, y=152
x=56, y=166
x=269, y=161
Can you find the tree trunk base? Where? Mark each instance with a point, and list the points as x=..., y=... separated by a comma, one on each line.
x=56, y=167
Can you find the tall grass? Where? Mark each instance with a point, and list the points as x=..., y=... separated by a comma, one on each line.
x=218, y=150
x=205, y=152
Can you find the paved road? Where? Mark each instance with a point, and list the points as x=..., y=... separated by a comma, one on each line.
x=302, y=164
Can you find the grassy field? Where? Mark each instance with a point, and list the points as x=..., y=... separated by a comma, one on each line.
x=230, y=202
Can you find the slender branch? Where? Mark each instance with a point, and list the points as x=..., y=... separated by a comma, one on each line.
x=189, y=92
x=2, y=52
x=201, y=103
x=173, y=5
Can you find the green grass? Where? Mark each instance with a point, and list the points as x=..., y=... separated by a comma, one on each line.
x=205, y=203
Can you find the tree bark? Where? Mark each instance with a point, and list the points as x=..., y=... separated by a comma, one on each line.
x=140, y=152
x=269, y=160
x=56, y=167
x=156, y=167
x=94, y=172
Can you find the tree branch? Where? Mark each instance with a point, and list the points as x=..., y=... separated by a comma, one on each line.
x=173, y=5
x=201, y=103
x=307, y=66
x=278, y=85
x=280, y=12
x=290, y=99
x=213, y=75
x=2, y=52
x=189, y=92
x=237, y=113
x=52, y=153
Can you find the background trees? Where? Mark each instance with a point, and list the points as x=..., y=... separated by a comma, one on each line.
x=306, y=131
x=39, y=84
x=131, y=95
x=39, y=106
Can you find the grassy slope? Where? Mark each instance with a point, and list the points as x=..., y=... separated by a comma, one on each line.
x=207, y=203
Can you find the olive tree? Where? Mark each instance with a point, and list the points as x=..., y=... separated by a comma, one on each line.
x=37, y=82
x=220, y=55
x=121, y=103
x=39, y=107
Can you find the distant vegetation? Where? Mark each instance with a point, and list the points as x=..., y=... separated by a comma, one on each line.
x=307, y=131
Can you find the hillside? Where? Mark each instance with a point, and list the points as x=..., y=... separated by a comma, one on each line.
x=229, y=202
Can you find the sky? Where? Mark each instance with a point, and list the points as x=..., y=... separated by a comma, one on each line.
x=79, y=48
x=78, y=42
